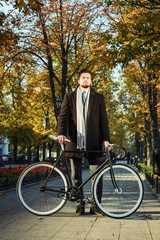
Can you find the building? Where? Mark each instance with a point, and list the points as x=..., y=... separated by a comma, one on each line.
x=4, y=147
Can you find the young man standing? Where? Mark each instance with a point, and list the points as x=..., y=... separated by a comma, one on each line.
x=83, y=120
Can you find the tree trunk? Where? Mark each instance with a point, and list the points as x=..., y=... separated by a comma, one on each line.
x=29, y=154
x=139, y=147
x=50, y=65
x=50, y=150
x=37, y=153
x=15, y=151
x=64, y=75
x=64, y=53
x=148, y=141
x=44, y=151
x=152, y=100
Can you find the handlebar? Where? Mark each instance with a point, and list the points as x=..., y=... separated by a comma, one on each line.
x=67, y=140
x=56, y=138
x=107, y=145
x=118, y=152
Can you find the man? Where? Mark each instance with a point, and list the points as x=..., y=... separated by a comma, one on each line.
x=83, y=120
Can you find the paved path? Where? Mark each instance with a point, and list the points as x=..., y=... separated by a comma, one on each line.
x=18, y=224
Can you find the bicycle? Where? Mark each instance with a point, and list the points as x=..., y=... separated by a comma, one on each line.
x=43, y=189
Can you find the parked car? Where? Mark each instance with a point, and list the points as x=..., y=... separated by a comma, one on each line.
x=5, y=158
x=10, y=158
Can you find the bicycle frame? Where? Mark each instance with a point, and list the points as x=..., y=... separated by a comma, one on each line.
x=122, y=188
x=63, y=156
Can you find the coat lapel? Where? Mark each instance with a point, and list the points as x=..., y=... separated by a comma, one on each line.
x=91, y=101
x=74, y=100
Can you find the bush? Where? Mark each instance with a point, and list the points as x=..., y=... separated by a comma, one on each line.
x=148, y=169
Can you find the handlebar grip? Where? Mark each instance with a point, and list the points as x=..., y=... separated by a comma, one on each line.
x=108, y=145
x=67, y=140
x=56, y=138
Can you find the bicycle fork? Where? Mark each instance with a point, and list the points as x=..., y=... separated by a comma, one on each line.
x=116, y=187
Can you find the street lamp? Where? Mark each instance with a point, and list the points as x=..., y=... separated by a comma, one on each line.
x=58, y=106
x=59, y=102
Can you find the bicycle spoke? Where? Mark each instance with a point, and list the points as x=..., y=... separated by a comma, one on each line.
x=35, y=196
x=126, y=199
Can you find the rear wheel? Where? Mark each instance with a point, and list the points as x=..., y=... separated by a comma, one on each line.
x=126, y=199
x=37, y=198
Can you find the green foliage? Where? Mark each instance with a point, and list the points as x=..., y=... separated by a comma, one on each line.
x=25, y=104
x=43, y=46
x=135, y=25
x=148, y=169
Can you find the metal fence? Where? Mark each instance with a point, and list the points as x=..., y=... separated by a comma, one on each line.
x=8, y=182
x=153, y=181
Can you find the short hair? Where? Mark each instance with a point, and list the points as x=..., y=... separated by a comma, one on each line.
x=85, y=70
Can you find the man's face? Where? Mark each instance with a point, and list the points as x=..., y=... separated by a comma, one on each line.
x=84, y=80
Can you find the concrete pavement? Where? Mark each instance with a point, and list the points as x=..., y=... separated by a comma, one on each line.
x=18, y=224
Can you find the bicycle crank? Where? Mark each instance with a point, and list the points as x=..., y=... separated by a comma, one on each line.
x=74, y=194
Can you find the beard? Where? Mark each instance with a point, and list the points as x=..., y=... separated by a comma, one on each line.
x=85, y=85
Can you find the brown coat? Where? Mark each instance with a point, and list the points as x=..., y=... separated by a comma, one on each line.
x=97, y=123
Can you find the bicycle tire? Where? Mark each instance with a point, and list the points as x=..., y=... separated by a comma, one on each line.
x=30, y=193
x=119, y=152
x=119, y=204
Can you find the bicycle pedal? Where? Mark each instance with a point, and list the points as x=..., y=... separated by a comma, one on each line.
x=86, y=200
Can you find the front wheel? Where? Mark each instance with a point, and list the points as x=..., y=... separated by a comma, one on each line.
x=122, y=201
x=38, y=198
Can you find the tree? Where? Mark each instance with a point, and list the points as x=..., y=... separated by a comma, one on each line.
x=55, y=32
x=40, y=100
x=51, y=38
x=136, y=78
x=23, y=112
x=135, y=25
x=136, y=28
x=104, y=83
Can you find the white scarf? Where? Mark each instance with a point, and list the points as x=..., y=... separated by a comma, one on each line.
x=81, y=123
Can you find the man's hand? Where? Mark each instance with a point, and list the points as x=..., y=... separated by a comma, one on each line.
x=61, y=139
x=106, y=142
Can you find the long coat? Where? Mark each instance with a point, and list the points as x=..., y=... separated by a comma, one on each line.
x=97, y=122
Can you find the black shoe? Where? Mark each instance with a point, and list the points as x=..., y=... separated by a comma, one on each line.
x=95, y=210
x=80, y=210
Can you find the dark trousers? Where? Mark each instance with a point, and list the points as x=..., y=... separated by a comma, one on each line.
x=76, y=173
